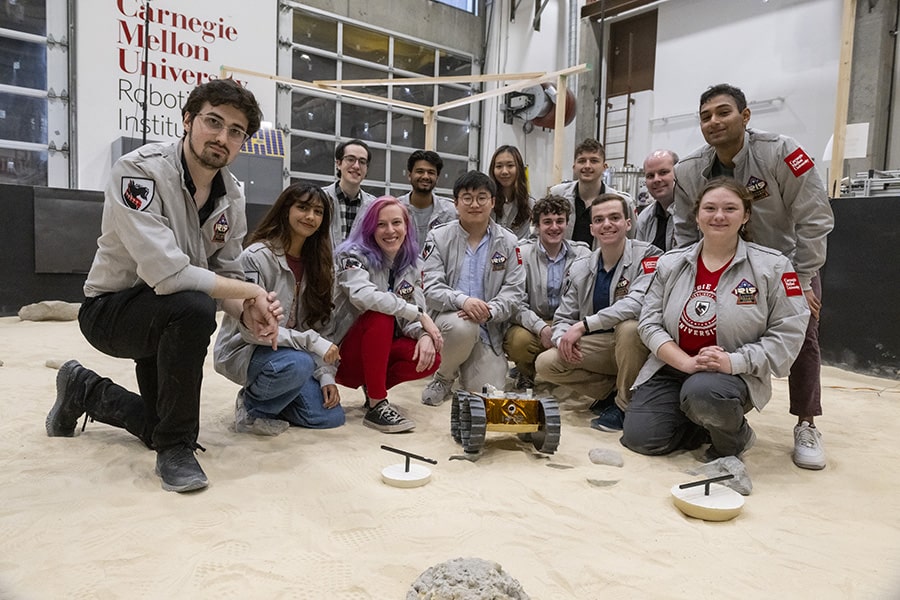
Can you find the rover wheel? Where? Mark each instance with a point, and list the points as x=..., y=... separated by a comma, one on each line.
x=454, y=417
x=465, y=419
x=546, y=439
x=477, y=426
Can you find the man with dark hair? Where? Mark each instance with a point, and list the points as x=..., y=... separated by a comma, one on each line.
x=473, y=281
x=351, y=163
x=791, y=213
x=546, y=259
x=589, y=167
x=426, y=208
x=167, y=258
x=655, y=223
x=595, y=331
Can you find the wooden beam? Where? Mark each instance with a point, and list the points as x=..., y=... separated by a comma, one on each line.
x=843, y=99
x=428, y=80
x=558, y=126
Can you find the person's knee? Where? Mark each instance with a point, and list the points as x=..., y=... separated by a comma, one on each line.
x=647, y=433
x=328, y=418
x=197, y=310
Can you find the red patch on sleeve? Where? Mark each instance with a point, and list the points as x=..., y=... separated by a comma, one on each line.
x=799, y=162
x=518, y=255
x=649, y=264
x=791, y=284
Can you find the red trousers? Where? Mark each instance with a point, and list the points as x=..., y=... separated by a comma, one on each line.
x=372, y=357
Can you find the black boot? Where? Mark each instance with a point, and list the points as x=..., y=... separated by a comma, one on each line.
x=80, y=390
x=179, y=470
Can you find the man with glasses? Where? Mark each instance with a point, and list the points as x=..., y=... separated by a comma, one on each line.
x=473, y=281
x=351, y=161
x=167, y=258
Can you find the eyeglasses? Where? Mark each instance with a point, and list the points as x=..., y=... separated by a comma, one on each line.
x=480, y=199
x=351, y=160
x=215, y=125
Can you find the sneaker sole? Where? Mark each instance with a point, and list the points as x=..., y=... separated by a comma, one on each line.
x=808, y=465
x=433, y=403
x=398, y=428
x=63, y=377
x=605, y=428
x=194, y=484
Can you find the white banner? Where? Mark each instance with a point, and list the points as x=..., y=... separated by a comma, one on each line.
x=187, y=42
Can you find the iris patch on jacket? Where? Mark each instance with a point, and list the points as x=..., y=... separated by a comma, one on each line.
x=427, y=249
x=498, y=261
x=621, y=289
x=745, y=292
x=791, y=284
x=758, y=188
x=138, y=192
x=220, y=230
x=798, y=162
x=405, y=290
x=348, y=262
x=649, y=264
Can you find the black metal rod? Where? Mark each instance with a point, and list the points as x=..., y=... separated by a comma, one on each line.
x=409, y=455
x=703, y=482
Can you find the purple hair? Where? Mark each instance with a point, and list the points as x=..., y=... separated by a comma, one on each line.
x=362, y=237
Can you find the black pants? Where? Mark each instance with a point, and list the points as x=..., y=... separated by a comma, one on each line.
x=167, y=337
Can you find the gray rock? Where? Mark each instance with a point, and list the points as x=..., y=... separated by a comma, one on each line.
x=54, y=363
x=602, y=482
x=724, y=466
x=602, y=456
x=466, y=579
x=50, y=310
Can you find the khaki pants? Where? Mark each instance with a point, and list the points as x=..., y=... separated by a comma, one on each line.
x=522, y=347
x=466, y=356
x=611, y=361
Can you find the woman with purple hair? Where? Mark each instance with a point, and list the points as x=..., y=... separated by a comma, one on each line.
x=386, y=336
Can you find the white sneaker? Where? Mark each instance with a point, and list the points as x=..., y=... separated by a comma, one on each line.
x=437, y=391
x=244, y=423
x=809, y=453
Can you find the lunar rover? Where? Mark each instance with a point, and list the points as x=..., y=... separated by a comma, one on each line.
x=473, y=414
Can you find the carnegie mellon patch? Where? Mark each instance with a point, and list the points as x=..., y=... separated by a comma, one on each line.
x=518, y=255
x=427, y=249
x=649, y=264
x=798, y=162
x=348, y=262
x=791, y=284
x=138, y=192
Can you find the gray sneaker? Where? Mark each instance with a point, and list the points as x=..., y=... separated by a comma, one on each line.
x=809, y=453
x=386, y=419
x=437, y=391
x=244, y=423
x=179, y=470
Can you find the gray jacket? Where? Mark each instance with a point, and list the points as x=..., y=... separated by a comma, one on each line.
x=235, y=343
x=791, y=212
x=761, y=313
x=510, y=212
x=535, y=314
x=361, y=287
x=444, y=212
x=567, y=191
x=645, y=230
x=156, y=238
x=337, y=221
x=504, y=278
x=632, y=277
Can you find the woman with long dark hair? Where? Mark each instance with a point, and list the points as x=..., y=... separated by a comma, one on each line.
x=512, y=205
x=386, y=337
x=293, y=384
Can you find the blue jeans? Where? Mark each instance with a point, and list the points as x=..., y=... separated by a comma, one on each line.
x=280, y=385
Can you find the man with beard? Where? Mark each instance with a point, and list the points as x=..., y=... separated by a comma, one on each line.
x=167, y=258
x=655, y=223
x=425, y=207
x=348, y=199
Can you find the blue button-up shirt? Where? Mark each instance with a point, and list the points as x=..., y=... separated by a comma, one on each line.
x=471, y=279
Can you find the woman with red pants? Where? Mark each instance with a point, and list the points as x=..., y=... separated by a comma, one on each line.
x=387, y=338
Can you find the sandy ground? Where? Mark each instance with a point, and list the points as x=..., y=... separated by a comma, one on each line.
x=305, y=515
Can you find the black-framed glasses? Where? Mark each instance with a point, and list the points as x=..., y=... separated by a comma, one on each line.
x=351, y=160
x=215, y=125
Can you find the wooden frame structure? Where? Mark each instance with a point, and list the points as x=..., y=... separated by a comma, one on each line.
x=522, y=81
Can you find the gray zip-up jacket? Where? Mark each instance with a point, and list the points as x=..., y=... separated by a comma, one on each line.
x=510, y=212
x=235, y=343
x=761, y=313
x=632, y=276
x=151, y=231
x=361, y=287
x=791, y=212
x=504, y=276
x=534, y=315
x=567, y=191
x=337, y=221
x=645, y=230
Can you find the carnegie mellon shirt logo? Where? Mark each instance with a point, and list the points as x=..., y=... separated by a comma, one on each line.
x=137, y=192
x=798, y=162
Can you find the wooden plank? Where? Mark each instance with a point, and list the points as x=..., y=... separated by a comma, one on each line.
x=428, y=80
x=558, y=127
x=842, y=107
